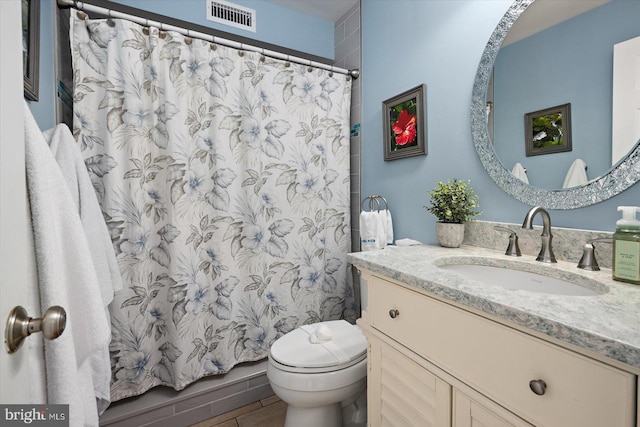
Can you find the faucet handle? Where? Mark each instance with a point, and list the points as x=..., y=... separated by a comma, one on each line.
x=513, y=249
x=588, y=260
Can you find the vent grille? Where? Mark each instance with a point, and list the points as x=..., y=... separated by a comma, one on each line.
x=231, y=14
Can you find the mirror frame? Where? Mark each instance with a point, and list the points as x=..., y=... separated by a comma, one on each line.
x=620, y=177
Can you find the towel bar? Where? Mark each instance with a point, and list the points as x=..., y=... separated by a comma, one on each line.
x=374, y=200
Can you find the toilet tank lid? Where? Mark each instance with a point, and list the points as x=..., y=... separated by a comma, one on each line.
x=324, y=344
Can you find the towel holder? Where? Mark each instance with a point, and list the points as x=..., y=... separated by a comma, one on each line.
x=374, y=200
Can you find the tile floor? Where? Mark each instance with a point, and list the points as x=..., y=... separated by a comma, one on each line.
x=267, y=412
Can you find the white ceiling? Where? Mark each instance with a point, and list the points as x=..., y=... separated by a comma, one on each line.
x=543, y=14
x=328, y=10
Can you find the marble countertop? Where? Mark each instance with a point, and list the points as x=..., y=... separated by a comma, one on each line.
x=607, y=324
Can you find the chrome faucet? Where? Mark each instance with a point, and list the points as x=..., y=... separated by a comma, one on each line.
x=588, y=260
x=546, y=252
x=513, y=249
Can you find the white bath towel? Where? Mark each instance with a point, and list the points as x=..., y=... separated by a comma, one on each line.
x=387, y=223
x=66, y=277
x=72, y=165
x=576, y=175
x=372, y=231
x=519, y=172
x=69, y=158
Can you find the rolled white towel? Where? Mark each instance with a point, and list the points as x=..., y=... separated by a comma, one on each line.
x=519, y=172
x=576, y=175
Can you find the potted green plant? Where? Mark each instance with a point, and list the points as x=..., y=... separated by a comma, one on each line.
x=453, y=203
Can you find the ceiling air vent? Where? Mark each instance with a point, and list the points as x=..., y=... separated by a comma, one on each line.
x=226, y=13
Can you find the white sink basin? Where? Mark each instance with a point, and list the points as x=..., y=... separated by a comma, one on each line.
x=510, y=278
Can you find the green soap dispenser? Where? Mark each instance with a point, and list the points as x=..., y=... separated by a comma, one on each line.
x=626, y=246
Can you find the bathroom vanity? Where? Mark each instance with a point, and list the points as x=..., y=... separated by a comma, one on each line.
x=450, y=350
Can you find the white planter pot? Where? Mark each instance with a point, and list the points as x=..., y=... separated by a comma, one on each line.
x=450, y=234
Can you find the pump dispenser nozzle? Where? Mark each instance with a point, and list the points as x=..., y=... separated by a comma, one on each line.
x=628, y=220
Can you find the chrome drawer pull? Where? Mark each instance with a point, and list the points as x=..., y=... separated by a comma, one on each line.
x=393, y=313
x=539, y=387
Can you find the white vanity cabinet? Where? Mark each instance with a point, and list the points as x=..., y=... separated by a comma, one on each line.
x=404, y=390
x=435, y=364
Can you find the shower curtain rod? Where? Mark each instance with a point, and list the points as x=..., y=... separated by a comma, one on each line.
x=86, y=7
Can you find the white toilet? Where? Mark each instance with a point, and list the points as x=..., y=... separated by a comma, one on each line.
x=320, y=371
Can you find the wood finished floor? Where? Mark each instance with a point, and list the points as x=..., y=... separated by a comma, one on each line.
x=267, y=412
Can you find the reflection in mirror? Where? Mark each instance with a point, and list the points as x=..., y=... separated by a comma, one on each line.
x=570, y=62
x=543, y=69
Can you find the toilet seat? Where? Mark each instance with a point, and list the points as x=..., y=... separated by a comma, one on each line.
x=318, y=348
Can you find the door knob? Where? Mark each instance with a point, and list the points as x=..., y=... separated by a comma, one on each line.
x=20, y=325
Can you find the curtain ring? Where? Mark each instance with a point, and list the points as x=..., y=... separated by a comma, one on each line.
x=111, y=23
x=287, y=64
x=309, y=69
x=187, y=41
x=262, y=58
x=145, y=31
x=241, y=53
x=82, y=15
x=213, y=46
x=162, y=34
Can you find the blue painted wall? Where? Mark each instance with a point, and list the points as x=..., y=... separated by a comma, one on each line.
x=568, y=63
x=439, y=43
x=274, y=24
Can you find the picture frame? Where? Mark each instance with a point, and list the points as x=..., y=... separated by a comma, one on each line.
x=31, y=47
x=548, y=131
x=404, y=123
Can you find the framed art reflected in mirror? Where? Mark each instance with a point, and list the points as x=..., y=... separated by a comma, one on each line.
x=624, y=174
x=405, y=124
x=30, y=47
x=548, y=131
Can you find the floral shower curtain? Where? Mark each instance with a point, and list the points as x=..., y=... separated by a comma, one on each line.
x=224, y=179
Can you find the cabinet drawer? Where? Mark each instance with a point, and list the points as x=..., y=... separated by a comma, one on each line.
x=500, y=362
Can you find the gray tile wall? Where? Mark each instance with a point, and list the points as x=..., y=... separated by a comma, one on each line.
x=204, y=399
x=348, y=47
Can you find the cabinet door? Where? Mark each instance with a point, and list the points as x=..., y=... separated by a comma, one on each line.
x=402, y=393
x=500, y=362
x=469, y=413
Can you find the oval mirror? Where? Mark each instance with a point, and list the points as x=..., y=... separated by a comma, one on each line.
x=543, y=110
